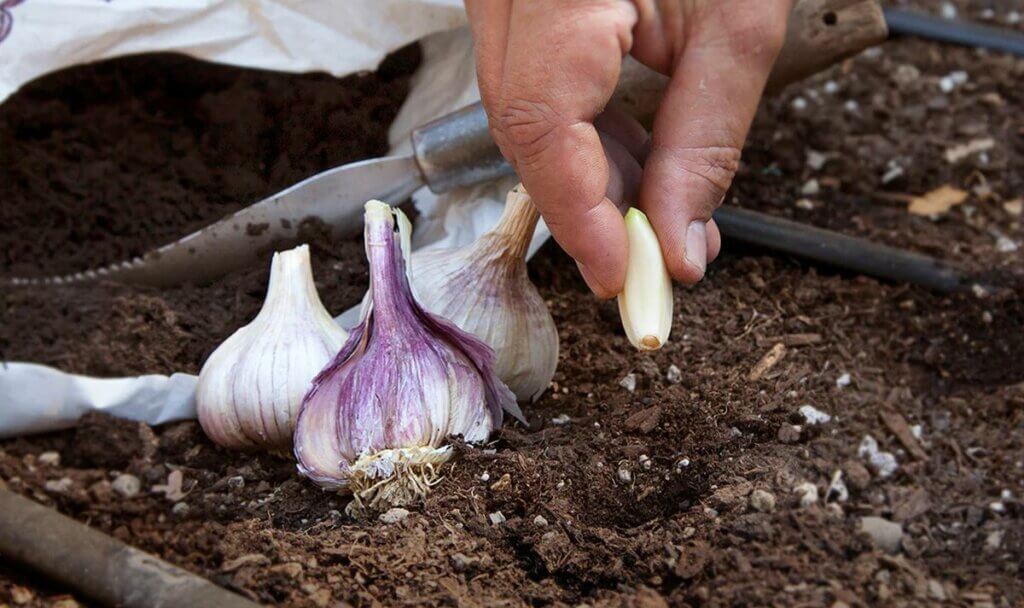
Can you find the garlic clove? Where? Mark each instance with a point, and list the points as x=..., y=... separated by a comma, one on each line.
x=646, y=301
x=376, y=419
x=251, y=387
x=485, y=289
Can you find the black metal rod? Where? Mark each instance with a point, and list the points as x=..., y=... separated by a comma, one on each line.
x=954, y=31
x=839, y=250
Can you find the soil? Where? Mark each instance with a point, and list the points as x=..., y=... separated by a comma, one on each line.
x=677, y=477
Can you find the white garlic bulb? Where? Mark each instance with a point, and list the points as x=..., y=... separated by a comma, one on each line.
x=251, y=387
x=485, y=290
x=645, y=304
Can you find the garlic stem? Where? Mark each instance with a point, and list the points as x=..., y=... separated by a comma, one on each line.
x=517, y=224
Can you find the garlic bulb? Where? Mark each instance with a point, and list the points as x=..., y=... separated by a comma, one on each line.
x=485, y=290
x=377, y=416
x=645, y=304
x=251, y=387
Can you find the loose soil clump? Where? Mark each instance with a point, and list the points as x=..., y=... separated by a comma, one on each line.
x=671, y=478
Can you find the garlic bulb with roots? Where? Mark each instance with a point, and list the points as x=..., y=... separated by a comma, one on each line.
x=377, y=417
x=251, y=387
x=484, y=288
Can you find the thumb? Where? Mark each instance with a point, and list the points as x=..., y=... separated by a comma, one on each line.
x=700, y=127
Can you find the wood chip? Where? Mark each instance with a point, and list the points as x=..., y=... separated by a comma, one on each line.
x=767, y=362
x=959, y=152
x=252, y=559
x=645, y=420
x=937, y=201
x=898, y=426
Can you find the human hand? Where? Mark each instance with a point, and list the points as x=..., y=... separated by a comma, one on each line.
x=547, y=69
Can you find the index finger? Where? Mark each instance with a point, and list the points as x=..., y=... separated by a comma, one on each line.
x=561, y=66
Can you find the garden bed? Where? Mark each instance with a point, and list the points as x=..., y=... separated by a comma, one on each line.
x=643, y=477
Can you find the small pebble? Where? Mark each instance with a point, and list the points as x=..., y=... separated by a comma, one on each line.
x=886, y=535
x=1013, y=18
x=884, y=463
x=625, y=475
x=892, y=174
x=858, y=476
x=180, y=509
x=540, y=521
x=1006, y=245
x=1006, y=495
x=851, y=106
x=236, y=482
x=497, y=518
x=948, y=10
x=561, y=420
x=805, y=203
x=674, y=374
x=685, y=462
x=58, y=486
x=485, y=476
x=799, y=104
x=789, y=433
x=810, y=188
x=946, y=84
x=645, y=461
x=127, y=485
x=997, y=507
x=831, y=87
x=628, y=382
x=816, y=160
x=393, y=515
x=917, y=431
x=994, y=540
x=843, y=380
x=808, y=494
x=813, y=415
x=936, y=591
x=762, y=500
x=49, y=459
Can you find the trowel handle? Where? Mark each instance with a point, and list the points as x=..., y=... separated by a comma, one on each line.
x=457, y=149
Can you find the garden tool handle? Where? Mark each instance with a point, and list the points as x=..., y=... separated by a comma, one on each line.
x=457, y=150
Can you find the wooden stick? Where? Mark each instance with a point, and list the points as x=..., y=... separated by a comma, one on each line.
x=98, y=566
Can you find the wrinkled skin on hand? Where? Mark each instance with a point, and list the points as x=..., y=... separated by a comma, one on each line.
x=547, y=69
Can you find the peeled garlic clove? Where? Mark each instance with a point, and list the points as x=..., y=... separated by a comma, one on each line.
x=377, y=417
x=645, y=303
x=484, y=289
x=251, y=387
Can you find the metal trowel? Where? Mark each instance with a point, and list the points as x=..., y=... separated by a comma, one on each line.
x=452, y=151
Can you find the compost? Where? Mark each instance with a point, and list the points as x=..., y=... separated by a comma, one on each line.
x=678, y=477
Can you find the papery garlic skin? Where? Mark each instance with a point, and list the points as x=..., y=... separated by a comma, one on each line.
x=377, y=416
x=646, y=302
x=251, y=387
x=484, y=288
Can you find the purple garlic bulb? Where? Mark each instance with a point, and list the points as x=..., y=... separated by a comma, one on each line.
x=377, y=417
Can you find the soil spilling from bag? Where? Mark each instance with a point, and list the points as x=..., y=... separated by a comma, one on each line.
x=681, y=476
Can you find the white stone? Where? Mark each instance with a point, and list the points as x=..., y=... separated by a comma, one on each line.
x=799, y=104
x=561, y=420
x=58, y=486
x=497, y=518
x=485, y=476
x=628, y=382
x=811, y=187
x=762, y=500
x=917, y=431
x=946, y=84
x=808, y=494
x=851, y=106
x=843, y=380
x=886, y=535
x=540, y=521
x=1006, y=245
x=816, y=160
x=126, y=485
x=884, y=463
x=49, y=459
x=831, y=87
x=674, y=374
x=948, y=10
x=892, y=174
x=625, y=475
x=393, y=515
x=813, y=415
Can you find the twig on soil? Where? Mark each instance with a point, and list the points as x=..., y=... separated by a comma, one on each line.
x=767, y=362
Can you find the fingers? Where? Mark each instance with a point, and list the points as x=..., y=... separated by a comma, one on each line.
x=701, y=124
x=560, y=68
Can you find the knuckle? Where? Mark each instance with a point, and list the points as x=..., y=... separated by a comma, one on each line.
x=715, y=166
x=527, y=126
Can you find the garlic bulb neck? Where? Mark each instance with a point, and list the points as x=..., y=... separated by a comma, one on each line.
x=515, y=228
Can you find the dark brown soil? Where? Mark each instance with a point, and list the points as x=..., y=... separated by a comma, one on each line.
x=612, y=497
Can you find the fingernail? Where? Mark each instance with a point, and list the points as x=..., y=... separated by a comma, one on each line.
x=592, y=282
x=697, y=245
